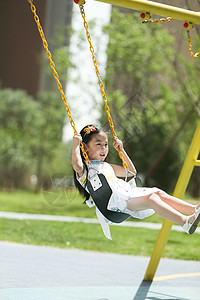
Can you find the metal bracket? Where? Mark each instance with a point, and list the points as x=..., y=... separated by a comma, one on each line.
x=95, y=182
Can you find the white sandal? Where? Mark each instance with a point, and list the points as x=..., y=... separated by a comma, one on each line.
x=191, y=227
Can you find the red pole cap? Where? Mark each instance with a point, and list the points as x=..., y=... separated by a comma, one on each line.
x=81, y=2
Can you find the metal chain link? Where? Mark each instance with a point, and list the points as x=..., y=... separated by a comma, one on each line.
x=190, y=46
x=107, y=109
x=55, y=74
x=168, y=19
x=149, y=20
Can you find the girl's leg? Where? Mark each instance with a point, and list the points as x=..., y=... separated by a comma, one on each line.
x=176, y=203
x=161, y=208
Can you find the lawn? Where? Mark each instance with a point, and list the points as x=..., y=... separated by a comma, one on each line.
x=125, y=240
x=68, y=203
x=133, y=241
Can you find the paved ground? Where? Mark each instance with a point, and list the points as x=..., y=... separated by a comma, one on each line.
x=45, y=273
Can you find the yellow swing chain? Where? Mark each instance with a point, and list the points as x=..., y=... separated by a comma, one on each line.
x=146, y=16
x=188, y=26
x=107, y=109
x=190, y=48
x=55, y=74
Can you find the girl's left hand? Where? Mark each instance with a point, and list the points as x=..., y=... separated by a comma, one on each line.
x=117, y=144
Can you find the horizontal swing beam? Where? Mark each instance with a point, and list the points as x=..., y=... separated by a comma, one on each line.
x=158, y=9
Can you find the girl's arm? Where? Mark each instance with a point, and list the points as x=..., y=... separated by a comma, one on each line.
x=77, y=162
x=119, y=170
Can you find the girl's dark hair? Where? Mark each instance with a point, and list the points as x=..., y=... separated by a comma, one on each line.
x=86, y=133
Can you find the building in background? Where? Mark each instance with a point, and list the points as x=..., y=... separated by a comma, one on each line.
x=21, y=46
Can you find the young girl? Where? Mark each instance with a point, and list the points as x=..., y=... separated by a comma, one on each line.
x=135, y=201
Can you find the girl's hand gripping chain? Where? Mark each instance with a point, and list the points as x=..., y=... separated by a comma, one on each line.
x=77, y=162
x=117, y=144
x=77, y=139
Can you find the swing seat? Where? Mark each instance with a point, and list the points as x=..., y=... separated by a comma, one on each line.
x=101, y=192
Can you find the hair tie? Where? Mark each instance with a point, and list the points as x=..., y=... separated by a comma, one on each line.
x=88, y=130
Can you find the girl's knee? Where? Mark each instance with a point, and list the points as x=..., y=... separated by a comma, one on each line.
x=153, y=196
x=152, y=199
x=161, y=193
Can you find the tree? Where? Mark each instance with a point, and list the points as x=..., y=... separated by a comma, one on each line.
x=147, y=103
x=30, y=132
x=135, y=53
x=31, y=129
x=59, y=46
x=188, y=73
x=49, y=133
x=19, y=120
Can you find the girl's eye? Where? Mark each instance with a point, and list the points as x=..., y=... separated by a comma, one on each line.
x=102, y=145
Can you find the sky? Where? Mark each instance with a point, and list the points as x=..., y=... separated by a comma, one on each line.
x=83, y=95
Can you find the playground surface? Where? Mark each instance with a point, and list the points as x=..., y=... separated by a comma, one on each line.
x=34, y=272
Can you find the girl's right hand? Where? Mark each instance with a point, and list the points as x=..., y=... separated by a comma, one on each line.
x=77, y=139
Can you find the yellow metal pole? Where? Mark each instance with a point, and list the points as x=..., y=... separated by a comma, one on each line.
x=182, y=183
x=190, y=162
x=158, y=9
x=197, y=163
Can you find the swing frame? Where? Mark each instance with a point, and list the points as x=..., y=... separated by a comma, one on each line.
x=158, y=9
x=192, y=157
x=170, y=12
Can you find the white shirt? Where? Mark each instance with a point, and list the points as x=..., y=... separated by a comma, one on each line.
x=121, y=191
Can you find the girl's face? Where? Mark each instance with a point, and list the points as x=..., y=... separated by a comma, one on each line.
x=97, y=147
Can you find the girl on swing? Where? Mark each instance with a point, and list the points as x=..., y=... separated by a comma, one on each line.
x=138, y=202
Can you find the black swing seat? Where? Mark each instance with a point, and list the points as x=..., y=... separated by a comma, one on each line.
x=101, y=192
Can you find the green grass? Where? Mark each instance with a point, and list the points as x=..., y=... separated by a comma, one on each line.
x=28, y=202
x=65, y=204
x=133, y=241
x=71, y=204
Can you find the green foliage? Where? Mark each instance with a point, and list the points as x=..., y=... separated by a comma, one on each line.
x=61, y=162
x=31, y=129
x=151, y=96
x=58, y=45
x=51, y=123
x=144, y=131
x=62, y=61
x=137, y=51
x=30, y=132
x=50, y=131
x=19, y=121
